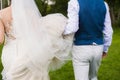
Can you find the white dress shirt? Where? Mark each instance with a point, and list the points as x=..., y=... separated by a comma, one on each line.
x=73, y=23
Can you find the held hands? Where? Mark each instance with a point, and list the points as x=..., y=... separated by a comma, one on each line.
x=67, y=36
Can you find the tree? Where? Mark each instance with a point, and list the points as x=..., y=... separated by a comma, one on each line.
x=45, y=8
x=60, y=6
x=3, y=3
x=115, y=11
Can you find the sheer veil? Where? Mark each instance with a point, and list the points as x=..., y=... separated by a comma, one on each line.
x=41, y=35
x=39, y=40
x=26, y=17
x=30, y=34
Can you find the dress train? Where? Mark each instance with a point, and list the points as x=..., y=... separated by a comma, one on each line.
x=33, y=57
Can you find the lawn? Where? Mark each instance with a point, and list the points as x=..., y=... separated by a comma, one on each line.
x=110, y=66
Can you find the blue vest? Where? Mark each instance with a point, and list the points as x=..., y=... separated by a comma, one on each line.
x=91, y=22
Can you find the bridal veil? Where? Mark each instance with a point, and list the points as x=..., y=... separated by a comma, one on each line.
x=40, y=46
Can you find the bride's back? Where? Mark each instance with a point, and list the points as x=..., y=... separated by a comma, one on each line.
x=6, y=18
x=6, y=15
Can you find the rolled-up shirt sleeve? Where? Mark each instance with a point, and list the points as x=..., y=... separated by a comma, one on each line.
x=73, y=18
x=108, y=31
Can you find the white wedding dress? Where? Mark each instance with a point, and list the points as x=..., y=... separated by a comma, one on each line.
x=34, y=44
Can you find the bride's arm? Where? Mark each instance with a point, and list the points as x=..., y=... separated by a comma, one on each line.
x=2, y=20
x=1, y=31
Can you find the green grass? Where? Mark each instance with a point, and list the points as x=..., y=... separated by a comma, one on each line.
x=0, y=62
x=65, y=73
x=109, y=69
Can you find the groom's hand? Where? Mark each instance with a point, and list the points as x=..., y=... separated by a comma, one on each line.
x=104, y=54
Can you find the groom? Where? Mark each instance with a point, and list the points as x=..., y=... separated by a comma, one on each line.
x=91, y=23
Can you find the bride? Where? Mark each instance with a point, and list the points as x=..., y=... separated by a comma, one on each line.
x=33, y=44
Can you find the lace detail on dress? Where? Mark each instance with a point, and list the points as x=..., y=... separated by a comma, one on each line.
x=9, y=30
x=9, y=33
x=8, y=27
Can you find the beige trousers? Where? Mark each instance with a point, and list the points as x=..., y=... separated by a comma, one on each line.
x=86, y=61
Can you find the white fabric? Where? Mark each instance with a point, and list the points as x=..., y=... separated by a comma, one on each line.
x=72, y=26
x=86, y=61
x=38, y=45
x=107, y=30
x=73, y=17
x=26, y=18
